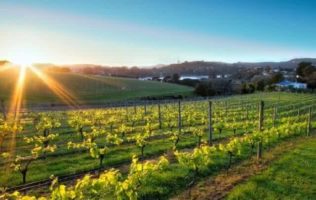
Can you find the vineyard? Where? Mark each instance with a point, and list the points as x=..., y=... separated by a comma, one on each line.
x=149, y=151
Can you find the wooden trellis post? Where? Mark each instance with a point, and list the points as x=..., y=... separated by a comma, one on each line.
x=210, y=128
x=159, y=116
x=247, y=112
x=309, y=121
x=275, y=111
x=3, y=109
x=179, y=116
x=261, y=119
x=145, y=108
x=261, y=115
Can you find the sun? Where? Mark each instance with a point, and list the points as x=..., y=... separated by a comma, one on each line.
x=23, y=57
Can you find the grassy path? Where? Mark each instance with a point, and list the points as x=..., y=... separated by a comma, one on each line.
x=291, y=177
x=286, y=172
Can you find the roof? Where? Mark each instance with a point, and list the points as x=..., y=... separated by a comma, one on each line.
x=290, y=83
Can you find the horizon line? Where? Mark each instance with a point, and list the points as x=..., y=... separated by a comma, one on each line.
x=163, y=64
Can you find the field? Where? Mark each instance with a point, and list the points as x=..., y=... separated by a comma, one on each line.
x=86, y=89
x=155, y=150
x=290, y=177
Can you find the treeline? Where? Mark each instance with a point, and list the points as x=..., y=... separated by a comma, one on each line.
x=306, y=73
x=58, y=69
x=3, y=62
x=187, y=68
x=133, y=72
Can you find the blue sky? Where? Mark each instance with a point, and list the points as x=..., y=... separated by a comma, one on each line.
x=140, y=32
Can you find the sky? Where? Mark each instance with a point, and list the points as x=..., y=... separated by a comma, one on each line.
x=145, y=32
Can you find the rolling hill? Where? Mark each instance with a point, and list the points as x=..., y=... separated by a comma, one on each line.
x=187, y=68
x=86, y=89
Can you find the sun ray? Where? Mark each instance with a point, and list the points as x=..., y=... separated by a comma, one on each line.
x=105, y=81
x=57, y=88
x=4, y=68
x=16, y=101
x=15, y=110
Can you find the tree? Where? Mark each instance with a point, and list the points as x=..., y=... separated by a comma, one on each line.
x=306, y=73
x=311, y=82
x=175, y=78
x=167, y=79
x=301, y=67
x=88, y=70
x=189, y=82
x=276, y=78
x=244, y=88
x=58, y=69
x=204, y=89
x=308, y=70
x=4, y=62
x=260, y=84
x=251, y=88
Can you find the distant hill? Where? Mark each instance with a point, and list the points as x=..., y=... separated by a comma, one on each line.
x=190, y=68
x=202, y=67
x=185, y=68
x=207, y=64
x=283, y=64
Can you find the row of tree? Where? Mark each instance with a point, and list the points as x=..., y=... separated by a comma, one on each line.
x=307, y=73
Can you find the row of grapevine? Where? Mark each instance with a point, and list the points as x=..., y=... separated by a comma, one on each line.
x=100, y=132
x=112, y=184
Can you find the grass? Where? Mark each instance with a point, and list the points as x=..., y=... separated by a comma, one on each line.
x=87, y=88
x=290, y=177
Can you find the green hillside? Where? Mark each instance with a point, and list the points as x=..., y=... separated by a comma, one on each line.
x=86, y=88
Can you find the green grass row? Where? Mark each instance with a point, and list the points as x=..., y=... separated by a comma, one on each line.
x=290, y=177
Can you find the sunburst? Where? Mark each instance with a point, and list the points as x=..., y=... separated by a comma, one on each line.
x=18, y=94
x=61, y=91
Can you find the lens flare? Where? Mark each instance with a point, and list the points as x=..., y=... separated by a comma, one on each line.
x=4, y=68
x=57, y=88
x=16, y=101
x=15, y=107
x=15, y=110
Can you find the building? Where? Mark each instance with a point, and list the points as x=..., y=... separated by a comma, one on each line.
x=194, y=77
x=290, y=84
x=145, y=78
